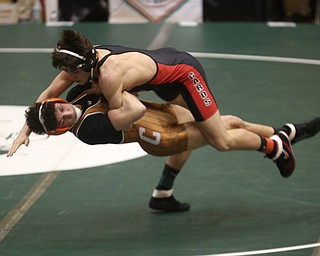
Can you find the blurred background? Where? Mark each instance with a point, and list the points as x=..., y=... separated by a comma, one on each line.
x=261, y=67
x=143, y=11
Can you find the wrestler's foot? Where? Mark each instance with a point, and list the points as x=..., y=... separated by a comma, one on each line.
x=168, y=204
x=284, y=157
x=303, y=131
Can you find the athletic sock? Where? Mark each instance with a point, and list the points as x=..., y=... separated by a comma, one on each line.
x=284, y=128
x=268, y=146
x=167, y=179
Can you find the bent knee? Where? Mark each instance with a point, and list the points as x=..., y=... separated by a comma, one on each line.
x=221, y=144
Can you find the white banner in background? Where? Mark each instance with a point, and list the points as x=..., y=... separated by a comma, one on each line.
x=155, y=10
x=143, y=11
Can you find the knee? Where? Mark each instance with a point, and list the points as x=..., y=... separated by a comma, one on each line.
x=221, y=144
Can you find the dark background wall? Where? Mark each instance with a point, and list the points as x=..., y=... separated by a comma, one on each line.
x=259, y=10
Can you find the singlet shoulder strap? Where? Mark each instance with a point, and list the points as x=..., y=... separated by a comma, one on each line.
x=103, y=47
x=100, y=63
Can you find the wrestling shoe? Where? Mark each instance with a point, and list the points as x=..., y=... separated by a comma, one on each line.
x=168, y=204
x=303, y=131
x=284, y=157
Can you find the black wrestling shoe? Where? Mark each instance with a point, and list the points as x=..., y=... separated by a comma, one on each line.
x=304, y=130
x=284, y=159
x=168, y=204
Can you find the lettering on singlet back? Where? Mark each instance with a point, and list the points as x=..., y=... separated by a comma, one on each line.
x=200, y=89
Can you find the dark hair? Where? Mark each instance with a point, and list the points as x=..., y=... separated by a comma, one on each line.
x=75, y=42
x=48, y=114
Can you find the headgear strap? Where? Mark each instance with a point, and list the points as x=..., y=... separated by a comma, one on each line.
x=88, y=62
x=41, y=119
x=71, y=53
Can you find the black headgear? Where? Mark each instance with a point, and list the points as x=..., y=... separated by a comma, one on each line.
x=88, y=62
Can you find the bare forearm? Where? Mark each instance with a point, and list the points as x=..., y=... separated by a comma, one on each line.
x=131, y=110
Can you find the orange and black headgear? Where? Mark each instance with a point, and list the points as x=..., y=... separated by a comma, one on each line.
x=59, y=130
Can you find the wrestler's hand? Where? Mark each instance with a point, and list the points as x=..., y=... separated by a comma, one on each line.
x=21, y=139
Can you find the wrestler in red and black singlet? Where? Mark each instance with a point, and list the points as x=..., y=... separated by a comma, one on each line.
x=177, y=73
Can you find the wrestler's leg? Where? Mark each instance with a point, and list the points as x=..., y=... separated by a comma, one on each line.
x=162, y=197
x=295, y=131
x=278, y=147
x=172, y=168
x=216, y=134
x=219, y=137
x=234, y=122
x=196, y=138
x=225, y=140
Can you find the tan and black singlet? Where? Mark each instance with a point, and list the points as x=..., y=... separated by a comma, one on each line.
x=157, y=132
